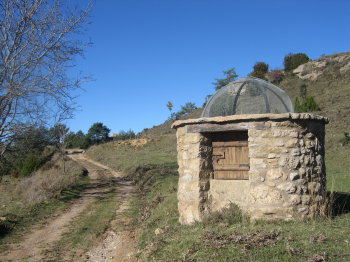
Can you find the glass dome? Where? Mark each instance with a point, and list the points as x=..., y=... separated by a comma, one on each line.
x=248, y=96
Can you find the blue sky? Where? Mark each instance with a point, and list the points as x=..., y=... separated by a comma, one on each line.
x=148, y=52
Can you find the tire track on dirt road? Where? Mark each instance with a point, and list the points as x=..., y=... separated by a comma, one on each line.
x=116, y=246
x=119, y=243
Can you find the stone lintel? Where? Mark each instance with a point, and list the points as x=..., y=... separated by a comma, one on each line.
x=209, y=127
x=220, y=120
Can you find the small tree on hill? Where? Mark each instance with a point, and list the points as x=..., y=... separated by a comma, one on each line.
x=230, y=76
x=260, y=70
x=77, y=140
x=124, y=135
x=57, y=133
x=98, y=133
x=292, y=61
x=169, y=105
x=185, y=110
x=26, y=152
x=308, y=104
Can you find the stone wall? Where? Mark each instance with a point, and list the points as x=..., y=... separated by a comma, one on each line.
x=194, y=151
x=287, y=170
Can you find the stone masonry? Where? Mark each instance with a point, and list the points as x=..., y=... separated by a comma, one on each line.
x=287, y=170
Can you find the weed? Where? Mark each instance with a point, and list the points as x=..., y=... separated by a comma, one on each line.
x=228, y=216
x=345, y=139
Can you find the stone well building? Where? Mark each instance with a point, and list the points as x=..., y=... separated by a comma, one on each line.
x=248, y=148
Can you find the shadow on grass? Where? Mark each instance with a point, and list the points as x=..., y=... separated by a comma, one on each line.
x=100, y=190
x=341, y=203
x=7, y=225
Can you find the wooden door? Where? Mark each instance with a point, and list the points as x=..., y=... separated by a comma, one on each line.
x=230, y=155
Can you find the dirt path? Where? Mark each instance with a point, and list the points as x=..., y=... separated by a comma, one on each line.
x=117, y=245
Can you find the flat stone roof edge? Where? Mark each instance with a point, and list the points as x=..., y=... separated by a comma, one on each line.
x=251, y=118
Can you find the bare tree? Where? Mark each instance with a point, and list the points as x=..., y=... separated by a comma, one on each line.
x=39, y=40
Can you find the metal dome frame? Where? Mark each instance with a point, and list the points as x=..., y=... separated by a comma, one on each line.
x=283, y=97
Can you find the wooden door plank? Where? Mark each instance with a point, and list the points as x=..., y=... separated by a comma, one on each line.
x=232, y=167
x=233, y=175
x=230, y=144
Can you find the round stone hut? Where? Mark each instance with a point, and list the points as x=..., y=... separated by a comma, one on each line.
x=249, y=148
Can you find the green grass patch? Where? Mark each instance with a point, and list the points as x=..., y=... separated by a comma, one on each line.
x=338, y=170
x=159, y=151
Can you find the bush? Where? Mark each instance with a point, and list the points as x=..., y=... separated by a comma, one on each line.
x=305, y=105
x=124, y=135
x=292, y=61
x=346, y=139
x=229, y=216
x=260, y=70
x=5, y=168
x=275, y=76
x=185, y=110
x=261, y=66
x=98, y=133
x=49, y=181
x=28, y=165
x=230, y=75
x=27, y=151
x=77, y=140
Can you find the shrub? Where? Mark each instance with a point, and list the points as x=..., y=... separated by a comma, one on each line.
x=260, y=70
x=308, y=104
x=345, y=139
x=124, y=135
x=303, y=91
x=49, y=181
x=98, y=133
x=229, y=216
x=261, y=66
x=185, y=110
x=5, y=168
x=292, y=61
x=28, y=165
x=230, y=75
x=305, y=103
x=77, y=140
x=275, y=76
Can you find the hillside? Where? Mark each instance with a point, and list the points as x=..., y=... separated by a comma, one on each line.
x=328, y=80
x=230, y=236
x=165, y=128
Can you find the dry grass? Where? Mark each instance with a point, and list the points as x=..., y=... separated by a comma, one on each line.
x=50, y=180
x=26, y=200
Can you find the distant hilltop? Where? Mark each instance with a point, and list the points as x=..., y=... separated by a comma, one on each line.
x=313, y=69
